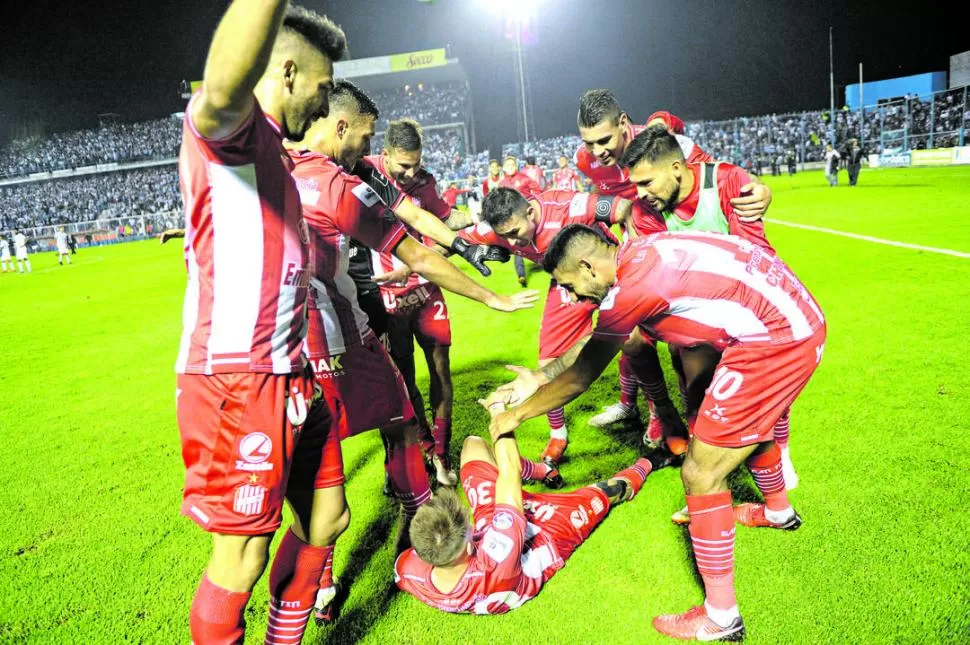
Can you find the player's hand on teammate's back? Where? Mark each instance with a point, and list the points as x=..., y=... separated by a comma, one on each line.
x=525, y=385
x=397, y=277
x=752, y=207
x=503, y=422
x=497, y=254
x=520, y=300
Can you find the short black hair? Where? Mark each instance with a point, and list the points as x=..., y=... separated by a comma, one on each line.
x=530, y=160
x=567, y=240
x=595, y=106
x=347, y=96
x=403, y=134
x=653, y=144
x=501, y=204
x=318, y=30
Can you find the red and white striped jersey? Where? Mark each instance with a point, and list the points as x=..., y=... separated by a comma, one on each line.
x=693, y=288
x=246, y=251
x=424, y=194
x=615, y=180
x=339, y=206
x=565, y=179
x=490, y=183
x=557, y=209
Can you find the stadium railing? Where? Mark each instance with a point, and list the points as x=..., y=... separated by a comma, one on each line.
x=102, y=231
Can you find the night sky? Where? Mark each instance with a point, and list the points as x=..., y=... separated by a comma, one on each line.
x=62, y=63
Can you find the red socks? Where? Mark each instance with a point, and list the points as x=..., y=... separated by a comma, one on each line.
x=409, y=479
x=326, y=578
x=216, y=617
x=768, y=476
x=628, y=384
x=636, y=474
x=782, y=428
x=712, y=538
x=293, y=583
x=442, y=436
x=533, y=470
x=557, y=418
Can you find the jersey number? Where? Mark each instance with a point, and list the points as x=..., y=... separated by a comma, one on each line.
x=726, y=382
x=440, y=314
x=480, y=494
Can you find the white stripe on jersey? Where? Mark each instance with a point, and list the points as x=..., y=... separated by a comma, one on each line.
x=237, y=248
x=707, y=258
x=190, y=308
x=736, y=319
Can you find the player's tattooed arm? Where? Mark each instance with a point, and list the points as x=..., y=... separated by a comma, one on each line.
x=553, y=369
x=238, y=56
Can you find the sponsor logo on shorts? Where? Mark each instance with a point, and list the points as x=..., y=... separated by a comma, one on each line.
x=249, y=500
x=328, y=366
x=716, y=413
x=579, y=518
x=597, y=505
x=255, y=449
x=410, y=300
x=296, y=408
x=502, y=521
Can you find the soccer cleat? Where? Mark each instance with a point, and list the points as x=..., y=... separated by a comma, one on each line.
x=681, y=517
x=388, y=489
x=443, y=473
x=694, y=624
x=660, y=457
x=326, y=608
x=788, y=471
x=653, y=432
x=554, y=451
x=614, y=414
x=553, y=479
x=523, y=281
x=754, y=515
x=676, y=445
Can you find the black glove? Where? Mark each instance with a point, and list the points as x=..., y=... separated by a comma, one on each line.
x=474, y=254
x=497, y=254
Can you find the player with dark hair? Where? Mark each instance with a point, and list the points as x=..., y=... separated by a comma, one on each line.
x=417, y=308
x=526, y=226
x=534, y=172
x=494, y=176
x=606, y=130
x=242, y=389
x=566, y=178
x=695, y=289
x=515, y=542
x=349, y=362
x=514, y=178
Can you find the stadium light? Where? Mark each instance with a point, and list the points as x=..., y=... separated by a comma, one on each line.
x=517, y=14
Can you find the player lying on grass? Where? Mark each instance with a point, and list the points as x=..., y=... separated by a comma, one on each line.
x=515, y=541
x=607, y=131
x=692, y=289
x=525, y=225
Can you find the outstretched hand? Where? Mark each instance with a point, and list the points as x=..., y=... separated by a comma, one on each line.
x=503, y=421
x=520, y=300
x=752, y=207
x=525, y=385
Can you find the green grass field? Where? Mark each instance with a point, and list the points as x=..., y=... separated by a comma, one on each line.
x=92, y=549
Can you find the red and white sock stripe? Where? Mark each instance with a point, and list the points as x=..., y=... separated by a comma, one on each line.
x=286, y=626
x=782, y=429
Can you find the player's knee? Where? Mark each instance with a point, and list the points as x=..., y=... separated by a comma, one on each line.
x=473, y=448
x=698, y=480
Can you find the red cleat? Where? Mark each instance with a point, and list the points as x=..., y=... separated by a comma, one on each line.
x=554, y=451
x=694, y=624
x=754, y=515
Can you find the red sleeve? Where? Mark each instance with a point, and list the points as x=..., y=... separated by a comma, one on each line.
x=528, y=186
x=500, y=548
x=482, y=233
x=236, y=148
x=646, y=221
x=730, y=179
x=360, y=213
x=581, y=160
x=629, y=303
x=699, y=155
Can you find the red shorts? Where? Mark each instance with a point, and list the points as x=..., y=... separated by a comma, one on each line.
x=318, y=461
x=568, y=517
x=564, y=323
x=363, y=388
x=420, y=314
x=752, y=387
x=239, y=433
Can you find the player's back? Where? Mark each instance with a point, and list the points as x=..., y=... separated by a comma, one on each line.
x=718, y=289
x=558, y=209
x=246, y=252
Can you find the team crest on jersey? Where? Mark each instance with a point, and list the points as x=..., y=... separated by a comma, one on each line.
x=502, y=521
x=249, y=500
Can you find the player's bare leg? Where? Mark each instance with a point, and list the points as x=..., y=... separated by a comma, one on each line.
x=236, y=563
x=303, y=568
x=704, y=475
x=441, y=395
x=558, y=433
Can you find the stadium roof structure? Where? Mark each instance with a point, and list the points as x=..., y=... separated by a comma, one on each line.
x=396, y=70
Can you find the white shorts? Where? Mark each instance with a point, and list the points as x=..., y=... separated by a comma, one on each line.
x=63, y=250
x=21, y=254
x=5, y=256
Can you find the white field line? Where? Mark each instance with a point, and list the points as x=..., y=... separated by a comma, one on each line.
x=875, y=240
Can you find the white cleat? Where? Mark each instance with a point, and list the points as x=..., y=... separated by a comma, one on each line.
x=444, y=475
x=788, y=471
x=614, y=414
x=681, y=517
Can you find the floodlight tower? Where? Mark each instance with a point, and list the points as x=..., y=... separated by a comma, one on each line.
x=517, y=14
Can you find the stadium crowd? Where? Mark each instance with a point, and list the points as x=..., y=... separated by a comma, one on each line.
x=427, y=104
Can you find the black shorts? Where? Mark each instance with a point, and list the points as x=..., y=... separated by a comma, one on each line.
x=373, y=306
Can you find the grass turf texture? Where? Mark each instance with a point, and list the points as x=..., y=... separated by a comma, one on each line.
x=92, y=549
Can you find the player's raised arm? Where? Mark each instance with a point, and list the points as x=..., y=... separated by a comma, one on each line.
x=508, y=460
x=435, y=268
x=237, y=58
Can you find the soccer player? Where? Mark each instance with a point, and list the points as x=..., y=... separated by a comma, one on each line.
x=494, y=176
x=62, y=249
x=534, y=172
x=513, y=178
x=526, y=227
x=566, y=178
x=606, y=130
x=358, y=379
x=417, y=308
x=20, y=250
x=5, y=260
x=242, y=388
x=695, y=289
x=515, y=542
